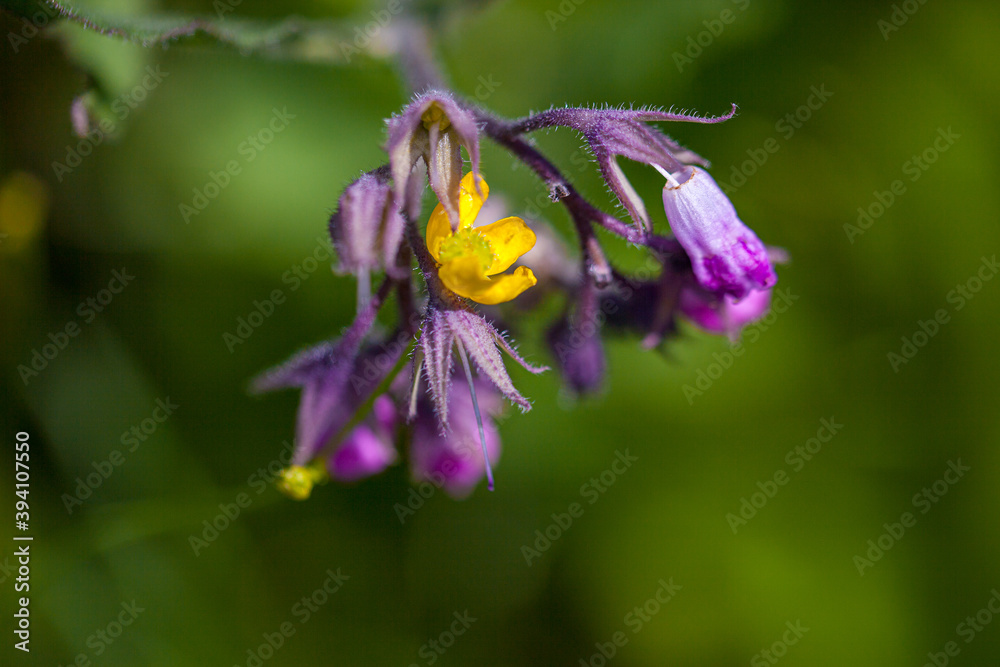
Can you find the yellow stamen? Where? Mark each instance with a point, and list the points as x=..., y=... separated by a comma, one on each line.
x=467, y=241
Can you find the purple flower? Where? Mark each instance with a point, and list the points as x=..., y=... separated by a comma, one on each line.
x=368, y=449
x=367, y=228
x=453, y=460
x=433, y=128
x=323, y=373
x=726, y=256
x=726, y=315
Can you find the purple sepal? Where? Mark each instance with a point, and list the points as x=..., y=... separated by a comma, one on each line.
x=611, y=133
x=443, y=328
x=433, y=127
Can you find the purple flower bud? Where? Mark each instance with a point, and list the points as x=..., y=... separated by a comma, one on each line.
x=385, y=415
x=434, y=128
x=576, y=343
x=368, y=226
x=368, y=449
x=453, y=460
x=579, y=354
x=361, y=454
x=726, y=256
x=726, y=315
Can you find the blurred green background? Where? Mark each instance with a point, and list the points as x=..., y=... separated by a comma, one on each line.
x=666, y=517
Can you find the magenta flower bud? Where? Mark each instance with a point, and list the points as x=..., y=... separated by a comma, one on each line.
x=453, y=460
x=726, y=256
x=726, y=315
x=361, y=454
x=368, y=226
x=368, y=449
x=385, y=415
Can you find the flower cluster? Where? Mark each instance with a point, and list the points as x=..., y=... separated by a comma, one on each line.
x=434, y=387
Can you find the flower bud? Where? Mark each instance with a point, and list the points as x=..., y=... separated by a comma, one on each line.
x=726, y=315
x=368, y=449
x=368, y=227
x=726, y=256
x=575, y=341
x=579, y=355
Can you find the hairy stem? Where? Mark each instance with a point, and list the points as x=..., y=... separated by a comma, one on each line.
x=353, y=335
x=416, y=58
x=582, y=212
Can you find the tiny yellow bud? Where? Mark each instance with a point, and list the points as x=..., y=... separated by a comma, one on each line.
x=297, y=482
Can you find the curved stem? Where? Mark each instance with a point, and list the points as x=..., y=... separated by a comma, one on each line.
x=582, y=212
x=421, y=73
x=538, y=121
x=438, y=293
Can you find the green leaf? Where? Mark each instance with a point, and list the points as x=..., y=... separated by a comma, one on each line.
x=291, y=38
x=112, y=68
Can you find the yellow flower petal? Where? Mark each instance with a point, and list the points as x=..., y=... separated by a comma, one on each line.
x=509, y=239
x=464, y=276
x=469, y=203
